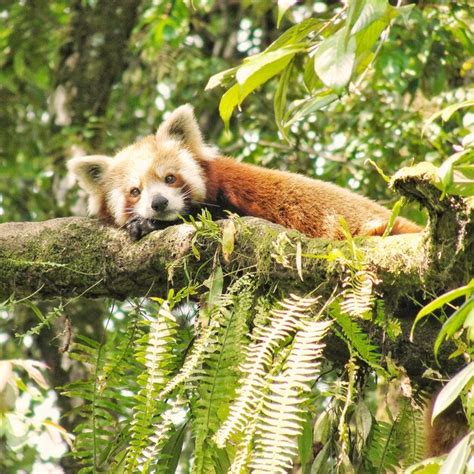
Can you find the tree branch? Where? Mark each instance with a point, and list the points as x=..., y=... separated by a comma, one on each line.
x=75, y=256
x=79, y=256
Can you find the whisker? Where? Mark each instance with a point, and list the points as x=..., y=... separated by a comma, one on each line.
x=205, y=203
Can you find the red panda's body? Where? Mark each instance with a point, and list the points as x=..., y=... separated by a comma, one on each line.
x=161, y=177
x=308, y=205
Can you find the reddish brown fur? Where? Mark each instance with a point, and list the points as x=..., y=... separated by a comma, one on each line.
x=308, y=205
x=104, y=213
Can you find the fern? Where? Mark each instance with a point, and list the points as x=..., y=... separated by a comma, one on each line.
x=358, y=295
x=411, y=431
x=358, y=340
x=219, y=377
x=283, y=323
x=106, y=401
x=156, y=354
x=384, y=451
x=191, y=364
x=152, y=457
x=280, y=422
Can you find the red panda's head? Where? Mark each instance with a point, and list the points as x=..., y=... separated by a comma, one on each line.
x=158, y=177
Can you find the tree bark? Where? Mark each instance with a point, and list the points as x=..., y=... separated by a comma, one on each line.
x=92, y=59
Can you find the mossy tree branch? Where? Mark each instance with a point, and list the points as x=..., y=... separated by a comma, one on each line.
x=79, y=256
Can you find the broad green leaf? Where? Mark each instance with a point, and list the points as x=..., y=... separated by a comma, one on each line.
x=452, y=325
x=320, y=464
x=355, y=8
x=456, y=462
x=310, y=79
x=322, y=427
x=228, y=239
x=440, y=302
x=373, y=10
x=445, y=173
x=229, y=101
x=393, y=216
x=308, y=106
x=279, y=101
x=447, y=112
x=215, y=283
x=283, y=6
x=305, y=442
x=296, y=34
x=363, y=421
x=428, y=466
x=250, y=71
x=251, y=78
x=219, y=78
x=452, y=389
x=335, y=59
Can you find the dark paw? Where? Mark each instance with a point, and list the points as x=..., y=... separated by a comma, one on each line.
x=138, y=227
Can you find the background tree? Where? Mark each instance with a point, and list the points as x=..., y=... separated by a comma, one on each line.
x=92, y=76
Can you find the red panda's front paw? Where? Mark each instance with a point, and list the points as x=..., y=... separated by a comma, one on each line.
x=138, y=227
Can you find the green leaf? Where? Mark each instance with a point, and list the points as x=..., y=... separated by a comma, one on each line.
x=440, y=302
x=283, y=6
x=393, y=216
x=455, y=321
x=305, y=443
x=229, y=102
x=252, y=75
x=279, y=101
x=219, y=78
x=447, y=112
x=372, y=11
x=296, y=34
x=215, y=283
x=363, y=421
x=355, y=8
x=257, y=67
x=310, y=105
x=228, y=239
x=335, y=59
x=456, y=462
x=323, y=463
x=452, y=390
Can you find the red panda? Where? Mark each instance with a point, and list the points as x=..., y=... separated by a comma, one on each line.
x=173, y=173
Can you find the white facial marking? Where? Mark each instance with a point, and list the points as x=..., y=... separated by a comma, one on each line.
x=116, y=203
x=176, y=204
x=192, y=175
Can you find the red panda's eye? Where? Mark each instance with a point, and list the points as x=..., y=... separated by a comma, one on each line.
x=170, y=179
x=135, y=192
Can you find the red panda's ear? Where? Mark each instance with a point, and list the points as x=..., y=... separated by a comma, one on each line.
x=90, y=170
x=182, y=126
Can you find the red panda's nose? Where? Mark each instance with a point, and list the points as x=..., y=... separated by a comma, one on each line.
x=159, y=203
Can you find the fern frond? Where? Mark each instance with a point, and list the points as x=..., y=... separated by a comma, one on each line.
x=384, y=451
x=156, y=354
x=358, y=339
x=162, y=431
x=218, y=380
x=106, y=394
x=280, y=422
x=192, y=362
x=358, y=295
x=245, y=448
x=411, y=431
x=283, y=323
x=343, y=428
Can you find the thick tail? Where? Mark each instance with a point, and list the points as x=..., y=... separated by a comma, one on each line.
x=401, y=226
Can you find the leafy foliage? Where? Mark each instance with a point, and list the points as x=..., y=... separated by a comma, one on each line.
x=238, y=385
